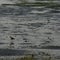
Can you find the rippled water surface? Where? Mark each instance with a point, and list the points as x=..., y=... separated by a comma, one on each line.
x=39, y=25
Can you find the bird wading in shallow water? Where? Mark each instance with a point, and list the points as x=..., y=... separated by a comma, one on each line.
x=12, y=38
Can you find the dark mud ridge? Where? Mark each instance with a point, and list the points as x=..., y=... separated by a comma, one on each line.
x=11, y=52
x=50, y=47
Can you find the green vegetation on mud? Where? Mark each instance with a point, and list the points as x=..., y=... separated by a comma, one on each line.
x=49, y=4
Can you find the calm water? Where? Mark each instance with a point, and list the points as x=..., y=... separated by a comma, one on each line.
x=37, y=25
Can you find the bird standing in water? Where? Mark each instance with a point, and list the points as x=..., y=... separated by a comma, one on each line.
x=12, y=38
x=12, y=42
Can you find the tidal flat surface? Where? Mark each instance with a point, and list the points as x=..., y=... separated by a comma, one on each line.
x=39, y=25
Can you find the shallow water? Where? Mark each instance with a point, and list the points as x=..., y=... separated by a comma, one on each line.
x=24, y=24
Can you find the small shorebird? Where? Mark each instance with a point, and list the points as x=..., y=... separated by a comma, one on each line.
x=12, y=38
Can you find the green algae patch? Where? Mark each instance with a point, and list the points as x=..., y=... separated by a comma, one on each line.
x=27, y=57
